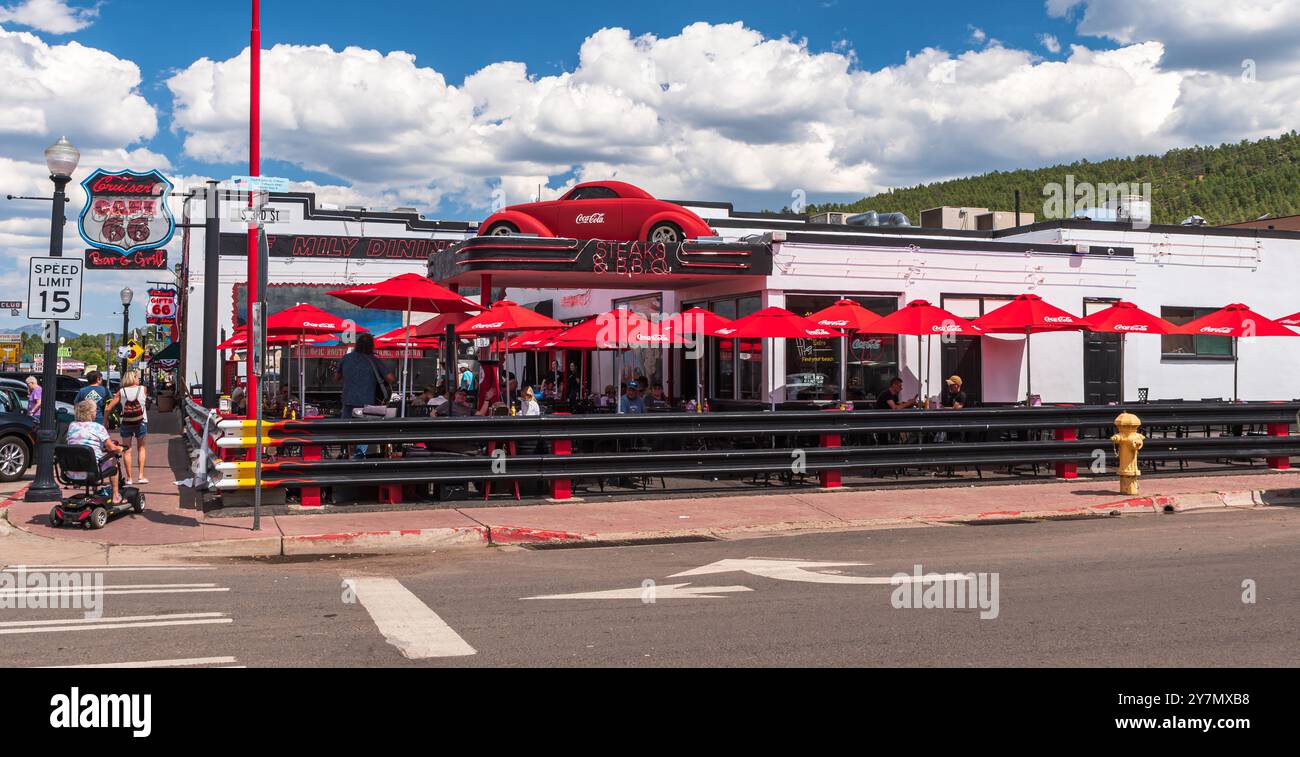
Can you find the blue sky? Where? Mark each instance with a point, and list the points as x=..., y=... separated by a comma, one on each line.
x=460, y=38
x=446, y=106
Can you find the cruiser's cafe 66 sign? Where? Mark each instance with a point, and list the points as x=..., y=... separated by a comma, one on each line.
x=127, y=221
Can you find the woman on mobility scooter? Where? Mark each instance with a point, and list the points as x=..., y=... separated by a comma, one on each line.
x=85, y=431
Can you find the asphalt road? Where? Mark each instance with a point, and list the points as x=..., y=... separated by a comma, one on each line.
x=1133, y=591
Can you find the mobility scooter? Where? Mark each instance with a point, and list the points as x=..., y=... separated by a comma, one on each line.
x=77, y=466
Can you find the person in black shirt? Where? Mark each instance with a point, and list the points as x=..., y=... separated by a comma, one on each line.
x=890, y=399
x=953, y=396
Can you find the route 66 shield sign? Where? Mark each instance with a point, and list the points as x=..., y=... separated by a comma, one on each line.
x=127, y=211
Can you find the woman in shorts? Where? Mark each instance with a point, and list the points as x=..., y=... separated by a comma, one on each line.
x=134, y=424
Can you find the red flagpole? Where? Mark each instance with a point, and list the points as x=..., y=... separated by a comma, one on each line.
x=254, y=169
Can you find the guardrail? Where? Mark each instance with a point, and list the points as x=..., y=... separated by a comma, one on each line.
x=776, y=442
x=199, y=427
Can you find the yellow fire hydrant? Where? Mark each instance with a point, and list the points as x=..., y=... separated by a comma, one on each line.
x=1127, y=444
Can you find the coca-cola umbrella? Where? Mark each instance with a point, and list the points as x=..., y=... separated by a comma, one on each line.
x=1291, y=320
x=779, y=323
x=1125, y=318
x=851, y=317
x=618, y=330
x=503, y=319
x=700, y=323
x=919, y=318
x=1236, y=321
x=410, y=293
x=1028, y=314
x=304, y=320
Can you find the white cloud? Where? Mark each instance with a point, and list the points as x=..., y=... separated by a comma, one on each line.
x=1198, y=34
x=713, y=111
x=1050, y=43
x=51, y=16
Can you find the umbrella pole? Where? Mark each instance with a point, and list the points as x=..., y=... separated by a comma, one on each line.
x=1123, y=345
x=1029, y=368
x=844, y=369
x=1236, y=396
x=618, y=381
x=406, y=358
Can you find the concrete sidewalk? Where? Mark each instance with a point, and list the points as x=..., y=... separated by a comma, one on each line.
x=167, y=530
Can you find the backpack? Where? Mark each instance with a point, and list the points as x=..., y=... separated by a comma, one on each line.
x=132, y=409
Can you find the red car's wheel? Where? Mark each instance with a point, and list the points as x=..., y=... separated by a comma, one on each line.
x=666, y=233
x=502, y=230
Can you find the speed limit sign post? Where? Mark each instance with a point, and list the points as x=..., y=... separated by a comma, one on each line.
x=54, y=289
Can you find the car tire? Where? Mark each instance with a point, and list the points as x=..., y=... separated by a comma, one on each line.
x=98, y=519
x=502, y=230
x=665, y=233
x=15, y=458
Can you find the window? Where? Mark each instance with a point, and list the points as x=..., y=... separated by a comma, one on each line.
x=592, y=193
x=723, y=378
x=1192, y=345
x=812, y=366
x=751, y=353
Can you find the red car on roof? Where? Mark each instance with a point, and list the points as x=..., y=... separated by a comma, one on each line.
x=610, y=210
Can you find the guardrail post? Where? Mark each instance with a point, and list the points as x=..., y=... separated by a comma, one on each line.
x=310, y=495
x=830, y=478
x=1279, y=429
x=1067, y=470
x=561, y=488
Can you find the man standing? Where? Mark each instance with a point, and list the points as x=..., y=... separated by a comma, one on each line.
x=365, y=377
x=95, y=391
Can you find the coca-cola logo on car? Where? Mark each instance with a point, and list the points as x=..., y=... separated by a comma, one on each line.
x=590, y=218
x=126, y=211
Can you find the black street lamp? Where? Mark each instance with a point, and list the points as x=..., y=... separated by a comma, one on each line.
x=61, y=158
x=127, y=294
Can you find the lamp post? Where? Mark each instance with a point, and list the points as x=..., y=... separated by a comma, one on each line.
x=61, y=158
x=127, y=294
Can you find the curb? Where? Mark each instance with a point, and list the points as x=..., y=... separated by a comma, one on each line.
x=432, y=539
x=373, y=542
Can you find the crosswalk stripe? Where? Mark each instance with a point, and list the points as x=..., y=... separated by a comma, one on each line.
x=107, y=568
x=406, y=622
x=123, y=619
x=113, y=626
x=183, y=663
x=106, y=587
x=48, y=594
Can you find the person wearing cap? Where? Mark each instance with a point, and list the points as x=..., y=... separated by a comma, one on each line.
x=953, y=396
x=631, y=402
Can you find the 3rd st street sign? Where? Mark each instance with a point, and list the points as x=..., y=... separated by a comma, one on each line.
x=54, y=289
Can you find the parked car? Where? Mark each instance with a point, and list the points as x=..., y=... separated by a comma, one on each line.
x=65, y=391
x=19, y=388
x=17, y=436
x=610, y=210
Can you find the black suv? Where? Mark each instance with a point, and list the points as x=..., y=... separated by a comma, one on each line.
x=17, y=436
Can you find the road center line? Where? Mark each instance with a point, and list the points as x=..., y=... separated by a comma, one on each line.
x=406, y=622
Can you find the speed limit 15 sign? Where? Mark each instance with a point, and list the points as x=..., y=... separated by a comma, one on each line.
x=54, y=289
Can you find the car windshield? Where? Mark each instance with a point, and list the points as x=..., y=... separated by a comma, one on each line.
x=592, y=193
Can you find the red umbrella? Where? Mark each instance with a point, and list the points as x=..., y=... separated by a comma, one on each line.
x=306, y=319
x=847, y=315
x=698, y=322
x=506, y=317
x=437, y=326
x=1026, y=314
x=411, y=293
x=919, y=318
x=853, y=318
x=396, y=338
x=617, y=330
x=779, y=323
x=1125, y=318
x=1290, y=320
x=1236, y=321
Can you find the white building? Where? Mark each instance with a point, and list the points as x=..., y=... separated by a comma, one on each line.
x=1081, y=266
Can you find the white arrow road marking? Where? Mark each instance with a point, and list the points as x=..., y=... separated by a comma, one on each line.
x=661, y=591
x=224, y=662
x=406, y=622
x=804, y=571
x=108, y=624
